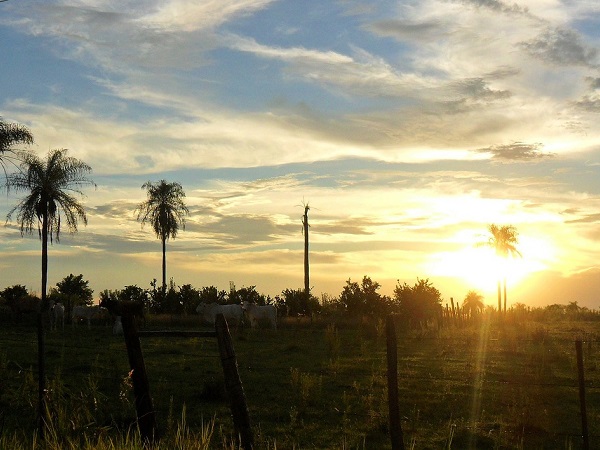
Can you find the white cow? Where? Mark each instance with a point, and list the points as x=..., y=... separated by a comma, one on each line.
x=87, y=313
x=57, y=315
x=232, y=313
x=258, y=313
x=118, y=326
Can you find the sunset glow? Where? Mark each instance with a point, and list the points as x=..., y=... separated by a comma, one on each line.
x=409, y=128
x=481, y=268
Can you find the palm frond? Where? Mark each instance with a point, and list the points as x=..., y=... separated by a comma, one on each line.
x=164, y=208
x=50, y=186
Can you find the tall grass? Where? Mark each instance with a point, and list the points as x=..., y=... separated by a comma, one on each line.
x=321, y=387
x=77, y=419
x=181, y=439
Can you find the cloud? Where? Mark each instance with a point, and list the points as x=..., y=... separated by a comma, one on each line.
x=350, y=226
x=411, y=31
x=593, y=82
x=589, y=218
x=363, y=73
x=124, y=37
x=562, y=47
x=190, y=15
x=591, y=101
x=240, y=230
x=517, y=151
x=498, y=6
x=478, y=89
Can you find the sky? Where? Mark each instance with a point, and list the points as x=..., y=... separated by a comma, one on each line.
x=408, y=127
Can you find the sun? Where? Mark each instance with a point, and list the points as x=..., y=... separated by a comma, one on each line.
x=480, y=268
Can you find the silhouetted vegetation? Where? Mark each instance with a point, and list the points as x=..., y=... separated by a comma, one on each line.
x=419, y=304
x=12, y=134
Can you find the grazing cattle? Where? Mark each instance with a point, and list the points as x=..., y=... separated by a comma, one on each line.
x=118, y=308
x=232, y=313
x=258, y=314
x=87, y=313
x=57, y=315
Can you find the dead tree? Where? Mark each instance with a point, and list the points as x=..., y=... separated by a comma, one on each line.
x=305, y=226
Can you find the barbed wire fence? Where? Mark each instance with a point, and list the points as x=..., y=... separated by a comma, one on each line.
x=115, y=374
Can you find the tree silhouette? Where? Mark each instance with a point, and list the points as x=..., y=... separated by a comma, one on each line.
x=473, y=303
x=13, y=295
x=11, y=134
x=72, y=290
x=417, y=304
x=165, y=210
x=50, y=186
x=503, y=239
x=305, y=227
x=358, y=299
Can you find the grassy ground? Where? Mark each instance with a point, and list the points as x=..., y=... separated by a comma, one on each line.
x=500, y=386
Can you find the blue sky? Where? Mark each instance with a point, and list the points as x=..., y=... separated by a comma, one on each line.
x=407, y=126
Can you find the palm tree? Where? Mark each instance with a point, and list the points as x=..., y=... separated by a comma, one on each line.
x=50, y=186
x=11, y=134
x=166, y=211
x=473, y=303
x=503, y=239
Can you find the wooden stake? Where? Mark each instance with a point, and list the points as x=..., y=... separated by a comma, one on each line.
x=584, y=424
x=141, y=387
x=233, y=384
x=392, y=377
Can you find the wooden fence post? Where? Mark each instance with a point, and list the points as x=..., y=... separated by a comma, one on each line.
x=392, y=378
x=42, y=412
x=233, y=384
x=146, y=416
x=584, y=424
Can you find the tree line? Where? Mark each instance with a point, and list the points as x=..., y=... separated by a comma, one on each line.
x=416, y=304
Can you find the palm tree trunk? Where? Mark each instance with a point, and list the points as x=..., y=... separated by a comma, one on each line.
x=504, y=295
x=164, y=265
x=499, y=296
x=40, y=332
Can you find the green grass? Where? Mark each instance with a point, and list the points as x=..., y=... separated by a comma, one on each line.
x=510, y=386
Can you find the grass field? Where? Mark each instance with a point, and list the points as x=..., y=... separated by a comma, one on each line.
x=510, y=385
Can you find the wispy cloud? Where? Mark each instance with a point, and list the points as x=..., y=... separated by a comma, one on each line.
x=516, y=151
x=362, y=72
x=189, y=15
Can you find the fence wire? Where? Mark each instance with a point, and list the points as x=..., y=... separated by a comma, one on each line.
x=209, y=350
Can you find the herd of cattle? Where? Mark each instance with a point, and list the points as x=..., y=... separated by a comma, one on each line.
x=257, y=315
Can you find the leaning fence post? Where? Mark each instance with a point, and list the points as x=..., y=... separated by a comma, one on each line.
x=141, y=387
x=584, y=424
x=233, y=384
x=392, y=378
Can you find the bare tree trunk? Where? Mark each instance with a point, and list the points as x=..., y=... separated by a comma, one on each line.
x=306, y=269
